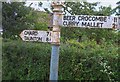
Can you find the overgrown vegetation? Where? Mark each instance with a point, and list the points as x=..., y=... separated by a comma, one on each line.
x=78, y=61
x=25, y=61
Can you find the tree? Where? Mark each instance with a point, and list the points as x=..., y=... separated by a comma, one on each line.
x=15, y=18
x=86, y=8
x=117, y=9
x=104, y=11
x=80, y=8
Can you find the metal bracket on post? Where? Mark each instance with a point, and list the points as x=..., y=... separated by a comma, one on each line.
x=57, y=11
x=55, y=41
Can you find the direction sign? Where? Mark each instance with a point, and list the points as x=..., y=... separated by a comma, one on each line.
x=35, y=35
x=40, y=36
x=89, y=21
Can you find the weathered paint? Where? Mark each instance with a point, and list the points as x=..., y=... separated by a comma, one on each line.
x=56, y=42
x=118, y=27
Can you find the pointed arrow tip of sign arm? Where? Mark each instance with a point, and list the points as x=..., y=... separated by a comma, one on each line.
x=21, y=34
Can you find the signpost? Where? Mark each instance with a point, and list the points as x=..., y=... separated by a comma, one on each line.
x=35, y=35
x=49, y=36
x=89, y=21
x=53, y=37
x=39, y=36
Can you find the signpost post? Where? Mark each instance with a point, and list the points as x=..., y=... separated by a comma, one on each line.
x=57, y=11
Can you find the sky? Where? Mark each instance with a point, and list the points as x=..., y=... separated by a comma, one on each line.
x=106, y=2
x=46, y=4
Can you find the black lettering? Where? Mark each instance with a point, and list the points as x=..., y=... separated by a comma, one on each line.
x=70, y=23
x=65, y=18
x=33, y=38
x=34, y=33
x=47, y=39
x=94, y=25
x=31, y=33
x=69, y=18
x=98, y=19
x=105, y=19
x=88, y=24
x=115, y=19
x=77, y=23
x=65, y=23
x=97, y=25
x=25, y=32
x=86, y=18
x=101, y=24
x=47, y=33
x=93, y=18
x=102, y=19
x=73, y=17
x=26, y=38
x=90, y=18
x=40, y=39
x=79, y=18
x=84, y=23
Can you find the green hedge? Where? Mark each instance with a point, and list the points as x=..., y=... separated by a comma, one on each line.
x=89, y=61
x=78, y=61
x=25, y=61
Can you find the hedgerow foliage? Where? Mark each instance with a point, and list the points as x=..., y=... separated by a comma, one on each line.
x=25, y=61
x=78, y=61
